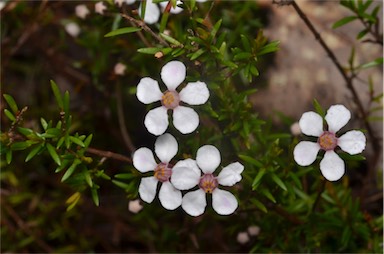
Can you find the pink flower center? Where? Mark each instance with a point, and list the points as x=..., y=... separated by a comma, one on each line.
x=208, y=183
x=163, y=172
x=170, y=99
x=327, y=141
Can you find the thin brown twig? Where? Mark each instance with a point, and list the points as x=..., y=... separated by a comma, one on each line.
x=348, y=80
x=120, y=115
x=108, y=154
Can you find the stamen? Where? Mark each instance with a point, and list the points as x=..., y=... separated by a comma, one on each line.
x=208, y=183
x=170, y=99
x=163, y=172
x=327, y=141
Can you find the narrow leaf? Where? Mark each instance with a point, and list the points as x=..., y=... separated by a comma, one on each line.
x=124, y=30
x=77, y=141
x=57, y=94
x=344, y=21
x=170, y=39
x=70, y=170
x=11, y=102
x=9, y=115
x=95, y=196
x=278, y=181
x=37, y=149
x=53, y=153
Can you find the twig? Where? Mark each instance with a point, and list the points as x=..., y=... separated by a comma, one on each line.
x=141, y=24
x=108, y=154
x=120, y=116
x=348, y=80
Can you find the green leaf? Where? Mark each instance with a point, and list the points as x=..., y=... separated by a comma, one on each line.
x=170, y=39
x=25, y=131
x=88, y=140
x=152, y=51
x=51, y=133
x=70, y=170
x=375, y=62
x=121, y=184
x=124, y=30
x=72, y=200
x=215, y=29
x=250, y=160
x=318, y=108
x=259, y=205
x=124, y=176
x=66, y=104
x=197, y=54
x=344, y=21
x=269, y=48
x=53, y=153
x=268, y=194
x=278, y=181
x=20, y=146
x=8, y=156
x=258, y=177
x=87, y=177
x=37, y=149
x=9, y=115
x=242, y=56
x=95, y=196
x=44, y=123
x=77, y=141
x=164, y=20
x=11, y=102
x=245, y=43
x=362, y=33
x=57, y=94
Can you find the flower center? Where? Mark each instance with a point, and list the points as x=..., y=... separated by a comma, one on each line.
x=208, y=183
x=163, y=172
x=327, y=141
x=170, y=99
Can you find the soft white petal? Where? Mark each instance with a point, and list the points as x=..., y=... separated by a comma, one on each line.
x=175, y=10
x=143, y=160
x=166, y=147
x=131, y=1
x=172, y=74
x=231, y=174
x=305, y=152
x=148, y=91
x=185, y=119
x=188, y=163
x=208, y=158
x=185, y=178
x=337, y=117
x=194, y=202
x=152, y=12
x=147, y=188
x=170, y=197
x=223, y=202
x=156, y=121
x=332, y=166
x=352, y=142
x=311, y=124
x=195, y=93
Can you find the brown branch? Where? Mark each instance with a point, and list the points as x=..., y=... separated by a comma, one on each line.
x=108, y=154
x=348, y=80
x=120, y=116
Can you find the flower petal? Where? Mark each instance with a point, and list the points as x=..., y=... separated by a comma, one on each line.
x=352, y=142
x=156, y=121
x=185, y=119
x=195, y=93
x=147, y=188
x=172, y=74
x=152, y=12
x=337, y=117
x=143, y=160
x=194, y=202
x=332, y=166
x=166, y=147
x=223, y=202
x=311, y=124
x=148, y=91
x=188, y=163
x=208, y=158
x=305, y=152
x=231, y=174
x=175, y=10
x=185, y=177
x=170, y=197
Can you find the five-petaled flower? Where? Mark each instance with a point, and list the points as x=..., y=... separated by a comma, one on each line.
x=143, y=160
x=186, y=175
x=353, y=142
x=185, y=119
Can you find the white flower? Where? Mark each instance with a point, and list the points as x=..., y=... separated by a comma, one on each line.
x=165, y=148
x=120, y=69
x=186, y=175
x=81, y=11
x=100, y=7
x=353, y=142
x=242, y=237
x=152, y=11
x=134, y=206
x=72, y=29
x=185, y=119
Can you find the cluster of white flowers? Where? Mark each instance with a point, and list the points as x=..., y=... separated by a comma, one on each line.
x=185, y=175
